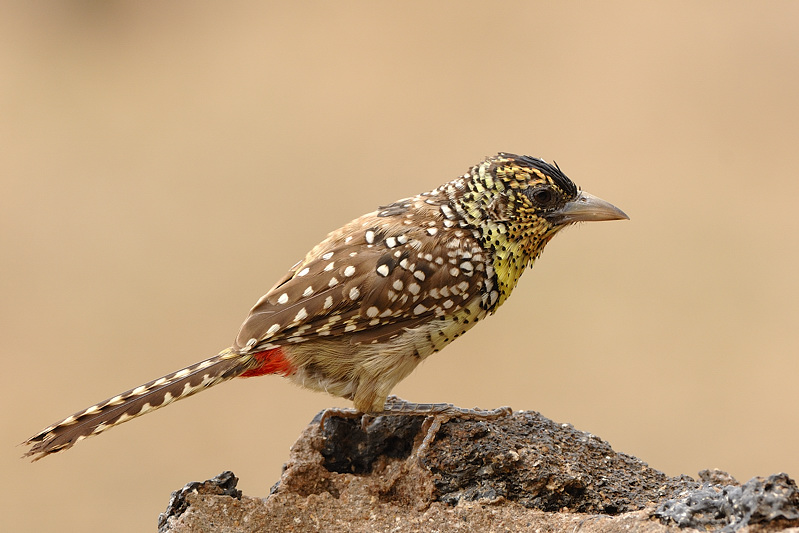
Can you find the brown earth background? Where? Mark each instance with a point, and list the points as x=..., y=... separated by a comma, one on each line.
x=162, y=164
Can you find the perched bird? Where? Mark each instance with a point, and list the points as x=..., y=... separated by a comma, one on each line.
x=377, y=296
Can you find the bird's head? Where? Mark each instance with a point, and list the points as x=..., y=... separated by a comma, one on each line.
x=519, y=203
x=531, y=192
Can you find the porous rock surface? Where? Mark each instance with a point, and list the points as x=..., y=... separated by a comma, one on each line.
x=521, y=472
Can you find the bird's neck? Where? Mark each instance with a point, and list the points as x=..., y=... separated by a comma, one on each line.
x=511, y=245
x=510, y=253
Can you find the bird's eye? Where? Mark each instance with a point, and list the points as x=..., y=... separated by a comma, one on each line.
x=542, y=197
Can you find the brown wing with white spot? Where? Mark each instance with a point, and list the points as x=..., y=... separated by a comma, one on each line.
x=371, y=279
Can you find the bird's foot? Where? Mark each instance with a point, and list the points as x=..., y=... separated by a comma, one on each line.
x=397, y=406
x=437, y=414
x=341, y=412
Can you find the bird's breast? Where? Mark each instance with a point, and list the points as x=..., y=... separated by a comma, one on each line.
x=342, y=368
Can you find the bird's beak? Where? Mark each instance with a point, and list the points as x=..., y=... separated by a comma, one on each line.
x=585, y=208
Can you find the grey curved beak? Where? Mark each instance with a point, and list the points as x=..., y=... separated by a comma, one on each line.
x=586, y=208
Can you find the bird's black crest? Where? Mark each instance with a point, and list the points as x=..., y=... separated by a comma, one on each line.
x=553, y=171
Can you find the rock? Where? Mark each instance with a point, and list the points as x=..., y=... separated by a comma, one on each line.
x=731, y=507
x=517, y=472
x=222, y=485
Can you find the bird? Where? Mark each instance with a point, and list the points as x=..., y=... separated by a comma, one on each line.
x=379, y=295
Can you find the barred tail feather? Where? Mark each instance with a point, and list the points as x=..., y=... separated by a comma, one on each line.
x=136, y=402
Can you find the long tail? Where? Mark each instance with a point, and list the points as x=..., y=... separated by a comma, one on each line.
x=136, y=402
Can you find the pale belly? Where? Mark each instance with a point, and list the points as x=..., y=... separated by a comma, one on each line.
x=366, y=373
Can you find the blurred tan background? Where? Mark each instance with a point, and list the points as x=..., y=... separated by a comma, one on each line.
x=162, y=164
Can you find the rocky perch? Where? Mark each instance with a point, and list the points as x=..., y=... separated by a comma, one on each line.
x=520, y=472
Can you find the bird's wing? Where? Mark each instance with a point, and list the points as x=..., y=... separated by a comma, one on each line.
x=370, y=280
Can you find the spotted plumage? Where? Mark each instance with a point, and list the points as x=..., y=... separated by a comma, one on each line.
x=380, y=294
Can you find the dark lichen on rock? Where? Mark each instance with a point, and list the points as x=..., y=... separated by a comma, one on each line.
x=731, y=507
